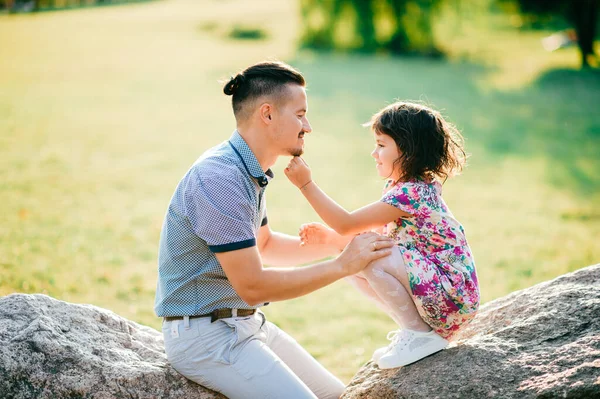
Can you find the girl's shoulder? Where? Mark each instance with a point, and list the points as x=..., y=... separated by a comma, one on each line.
x=414, y=185
x=417, y=197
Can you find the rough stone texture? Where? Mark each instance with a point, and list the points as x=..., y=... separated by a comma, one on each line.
x=542, y=342
x=54, y=349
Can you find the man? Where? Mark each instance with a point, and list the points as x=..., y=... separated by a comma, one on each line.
x=215, y=238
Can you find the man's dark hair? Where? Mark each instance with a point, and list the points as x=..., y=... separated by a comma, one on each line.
x=267, y=78
x=429, y=146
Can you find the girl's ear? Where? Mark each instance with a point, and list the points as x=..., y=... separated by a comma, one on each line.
x=265, y=112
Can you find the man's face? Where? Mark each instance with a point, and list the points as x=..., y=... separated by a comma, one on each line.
x=291, y=122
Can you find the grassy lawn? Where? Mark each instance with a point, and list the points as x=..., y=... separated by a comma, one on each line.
x=103, y=110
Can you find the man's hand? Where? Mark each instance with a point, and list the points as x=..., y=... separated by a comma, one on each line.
x=319, y=234
x=316, y=233
x=298, y=172
x=362, y=250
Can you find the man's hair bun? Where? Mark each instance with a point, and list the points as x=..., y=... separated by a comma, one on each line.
x=233, y=84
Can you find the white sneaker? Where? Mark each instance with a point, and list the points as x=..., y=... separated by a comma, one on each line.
x=410, y=346
x=391, y=336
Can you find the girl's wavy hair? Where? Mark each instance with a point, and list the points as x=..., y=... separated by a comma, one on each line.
x=430, y=147
x=267, y=78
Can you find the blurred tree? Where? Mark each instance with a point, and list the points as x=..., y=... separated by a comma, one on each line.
x=582, y=14
x=41, y=5
x=413, y=31
x=408, y=23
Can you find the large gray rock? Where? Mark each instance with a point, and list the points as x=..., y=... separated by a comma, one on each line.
x=54, y=349
x=542, y=342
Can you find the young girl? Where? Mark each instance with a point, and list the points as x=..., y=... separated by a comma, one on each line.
x=428, y=285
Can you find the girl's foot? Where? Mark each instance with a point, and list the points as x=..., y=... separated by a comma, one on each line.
x=410, y=346
x=391, y=336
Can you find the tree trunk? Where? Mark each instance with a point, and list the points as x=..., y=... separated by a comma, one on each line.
x=399, y=41
x=584, y=14
x=365, y=27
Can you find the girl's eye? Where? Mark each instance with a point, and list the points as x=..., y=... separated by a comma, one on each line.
x=380, y=145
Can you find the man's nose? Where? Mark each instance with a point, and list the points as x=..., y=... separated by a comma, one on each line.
x=306, y=126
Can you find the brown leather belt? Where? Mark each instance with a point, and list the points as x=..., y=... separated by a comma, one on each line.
x=218, y=314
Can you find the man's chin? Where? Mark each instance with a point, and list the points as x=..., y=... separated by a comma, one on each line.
x=296, y=152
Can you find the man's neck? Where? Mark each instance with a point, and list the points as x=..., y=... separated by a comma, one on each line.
x=258, y=143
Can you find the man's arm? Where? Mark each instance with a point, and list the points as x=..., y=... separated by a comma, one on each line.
x=278, y=249
x=257, y=285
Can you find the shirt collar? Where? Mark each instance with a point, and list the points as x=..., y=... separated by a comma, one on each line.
x=237, y=142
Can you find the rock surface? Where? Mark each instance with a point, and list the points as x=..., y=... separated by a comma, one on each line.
x=54, y=349
x=541, y=342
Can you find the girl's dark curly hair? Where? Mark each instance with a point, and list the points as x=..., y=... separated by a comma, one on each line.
x=429, y=146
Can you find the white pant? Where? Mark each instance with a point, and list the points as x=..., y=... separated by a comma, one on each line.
x=246, y=357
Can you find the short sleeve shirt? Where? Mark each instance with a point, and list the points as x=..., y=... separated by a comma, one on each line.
x=218, y=206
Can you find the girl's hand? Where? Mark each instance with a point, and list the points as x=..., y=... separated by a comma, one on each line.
x=316, y=233
x=298, y=172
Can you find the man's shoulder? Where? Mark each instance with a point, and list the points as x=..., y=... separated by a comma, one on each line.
x=218, y=163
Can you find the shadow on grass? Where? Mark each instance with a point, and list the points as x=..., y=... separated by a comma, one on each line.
x=556, y=118
x=247, y=33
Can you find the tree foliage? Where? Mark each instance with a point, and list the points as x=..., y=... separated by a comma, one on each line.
x=40, y=5
x=397, y=26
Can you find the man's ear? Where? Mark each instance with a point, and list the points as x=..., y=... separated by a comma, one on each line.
x=265, y=112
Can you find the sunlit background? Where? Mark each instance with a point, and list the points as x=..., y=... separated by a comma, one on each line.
x=104, y=106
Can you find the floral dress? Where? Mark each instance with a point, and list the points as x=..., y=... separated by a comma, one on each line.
x=439, y=262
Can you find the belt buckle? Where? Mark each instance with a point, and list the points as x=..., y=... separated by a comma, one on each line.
x=234, y=312
x=221, y=314
x=214, y=315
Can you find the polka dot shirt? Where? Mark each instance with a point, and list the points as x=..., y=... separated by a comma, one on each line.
x=218, y=206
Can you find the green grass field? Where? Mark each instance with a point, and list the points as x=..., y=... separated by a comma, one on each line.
x=103, y=110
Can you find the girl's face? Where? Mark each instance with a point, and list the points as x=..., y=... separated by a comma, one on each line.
x=385, y=154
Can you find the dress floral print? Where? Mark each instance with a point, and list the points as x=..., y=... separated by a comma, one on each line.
x=439, y=263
